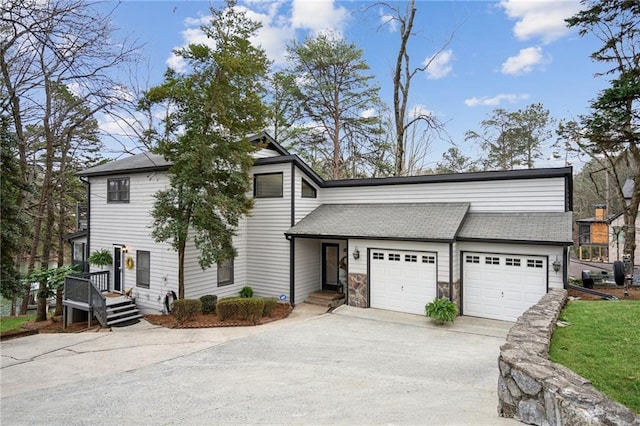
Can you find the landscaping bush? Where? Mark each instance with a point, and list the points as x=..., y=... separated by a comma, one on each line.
x=186, y=309
x=441, y=310
x=241, y=308
x=209, y=303
x=246, y=291
x=269, y=305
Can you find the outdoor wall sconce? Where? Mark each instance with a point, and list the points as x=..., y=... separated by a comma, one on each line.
x=125, y=249
x=356, y=254
x=556, y=265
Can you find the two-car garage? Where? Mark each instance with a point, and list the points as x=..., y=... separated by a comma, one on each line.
x=494, y=285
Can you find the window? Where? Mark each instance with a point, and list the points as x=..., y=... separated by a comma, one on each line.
x=143, y=268
x=410, y=258
x=118, y=190
x=428, y=259
x=472, y=259
x=492, y=260
x=225, y=273
x=509, y=261
x=267, y=185
x=584, y=233
x=532, y=263
x=308, y=191
x=378, y=256
x=394, y=257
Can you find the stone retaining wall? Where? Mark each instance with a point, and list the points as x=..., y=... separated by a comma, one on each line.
x=536, y=391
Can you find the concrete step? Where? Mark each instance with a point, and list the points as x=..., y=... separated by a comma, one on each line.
x=324, y=300
x=122, y=321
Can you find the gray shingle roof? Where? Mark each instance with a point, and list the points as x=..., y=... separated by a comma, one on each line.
x=145, y=161
x=419, y=221
x=552, y=227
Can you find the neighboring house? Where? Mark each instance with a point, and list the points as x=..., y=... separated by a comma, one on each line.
x=494, y=242
x=601, y=237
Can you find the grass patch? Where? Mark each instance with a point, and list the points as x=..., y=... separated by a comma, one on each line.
x=14, y=323
x=602, y=344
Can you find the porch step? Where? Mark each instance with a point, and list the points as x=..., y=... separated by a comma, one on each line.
x=122, y=312
x=327, y=298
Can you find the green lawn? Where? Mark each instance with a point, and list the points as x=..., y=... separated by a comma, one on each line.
x=602, y=344
x=14, y=323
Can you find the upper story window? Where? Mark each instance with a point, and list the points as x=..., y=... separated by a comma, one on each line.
x=268, y=185
x=118, y=190
x=308, y=191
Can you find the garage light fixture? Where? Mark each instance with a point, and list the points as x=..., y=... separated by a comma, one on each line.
x=556, y=265
x=356, y=254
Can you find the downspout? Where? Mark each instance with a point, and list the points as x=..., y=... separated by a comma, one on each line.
x=451, y=272
x=292, y=241
x=565, y=261
x=88, y=247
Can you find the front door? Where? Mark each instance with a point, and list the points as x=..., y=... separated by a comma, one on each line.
x=330, y=266
x=117, y=269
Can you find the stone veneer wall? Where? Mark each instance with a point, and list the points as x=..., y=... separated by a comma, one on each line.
x=358, y=294
x=536, y=391
x=443, y=291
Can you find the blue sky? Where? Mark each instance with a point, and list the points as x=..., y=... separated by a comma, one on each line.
x=504, y=54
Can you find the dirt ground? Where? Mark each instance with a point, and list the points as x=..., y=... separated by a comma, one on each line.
x=634, y=293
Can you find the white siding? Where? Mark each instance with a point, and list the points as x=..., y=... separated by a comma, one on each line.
x=130, y=224
x=526, y=195
x=199, y=282
x=308, y=274
x=267, y=247
x=360, y=266
x=304, y=206
x=555, y=278
x=264, y=153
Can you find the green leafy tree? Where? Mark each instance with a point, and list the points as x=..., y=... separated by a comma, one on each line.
x=611, y=132
x=454, y=161
x=212, y=108
x=336, y=97
x=513, y=138
x=14, y=225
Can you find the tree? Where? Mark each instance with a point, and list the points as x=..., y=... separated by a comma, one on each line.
x=611, y=132
x=403, y=74
x=14, y=225
x=336, y=97
x=454, y=161
x=47, y=48
x=513, y=138
x=213, y=107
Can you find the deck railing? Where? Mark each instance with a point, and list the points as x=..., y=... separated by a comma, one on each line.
x=85, y=293
x=99, y=279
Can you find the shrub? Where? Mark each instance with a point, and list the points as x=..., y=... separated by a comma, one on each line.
x=240, y=307
x=441, y=310
x=246, y=291
x=186, y=309
x=209, y=303
x=269, y=305
x=100, y=258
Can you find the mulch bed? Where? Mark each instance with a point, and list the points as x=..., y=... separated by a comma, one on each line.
x=211, y=320
x=634, y=293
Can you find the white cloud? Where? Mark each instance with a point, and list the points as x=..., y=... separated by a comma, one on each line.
x=318, y=15
x=495, y=100
x=525, y=61
x=540, y=18
x=386, y=19
x=439, y=64
x=368, y=113
x=176, y=63
x=420, y=110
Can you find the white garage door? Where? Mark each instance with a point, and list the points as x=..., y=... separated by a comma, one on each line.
x=402, y=281
x=502, y=286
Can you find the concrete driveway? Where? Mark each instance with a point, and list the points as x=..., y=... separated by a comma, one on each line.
x=354, y=366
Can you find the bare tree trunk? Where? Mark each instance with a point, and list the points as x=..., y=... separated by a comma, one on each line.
x=181, y=250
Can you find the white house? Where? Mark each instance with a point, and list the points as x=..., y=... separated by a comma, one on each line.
x=494, y=242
